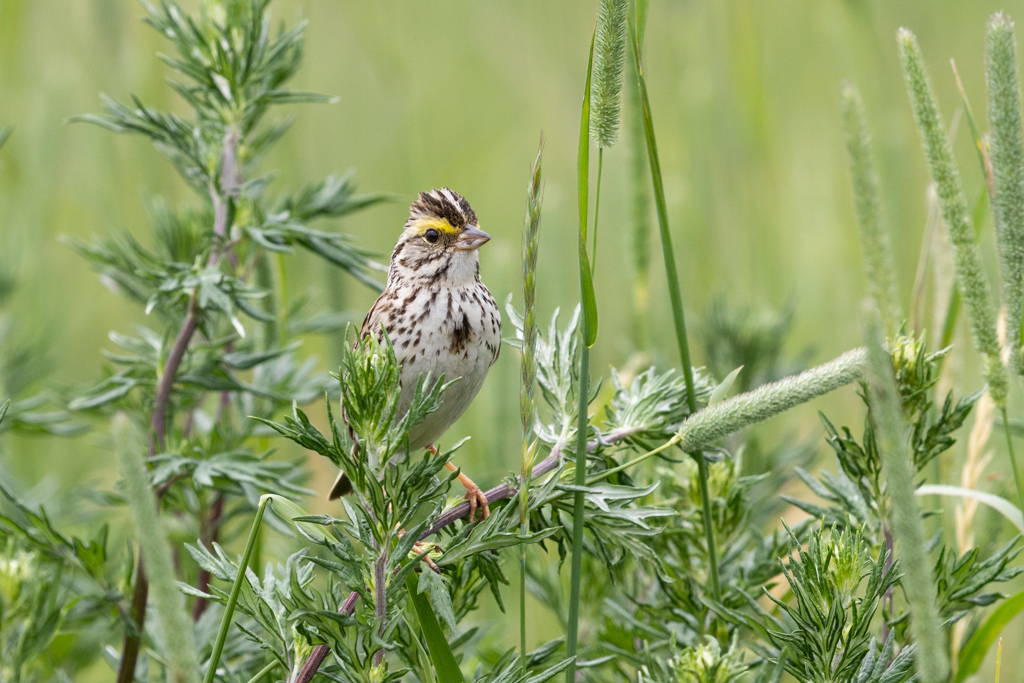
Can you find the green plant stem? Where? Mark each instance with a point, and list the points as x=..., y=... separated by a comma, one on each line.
x=1013, y=459
x=263, y=672
x=572, y=632
x=588, y=333
x=236, y=588
x=908, y=530
x=678, y=315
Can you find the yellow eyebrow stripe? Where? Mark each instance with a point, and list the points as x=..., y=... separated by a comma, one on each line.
x=439, y=224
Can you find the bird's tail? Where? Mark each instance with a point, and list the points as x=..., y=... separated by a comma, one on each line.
x=342, y=487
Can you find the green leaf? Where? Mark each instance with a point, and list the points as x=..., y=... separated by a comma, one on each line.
x=290, y=512
x=723, y=388
x=549, y=673
x=972, y=654
x=445, y=666
x=587, y=296
x=641, y=21
x=999, y=504
x=3, y=409
x=439, y=597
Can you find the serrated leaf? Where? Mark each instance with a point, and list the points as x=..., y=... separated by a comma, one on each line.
x=439, y=596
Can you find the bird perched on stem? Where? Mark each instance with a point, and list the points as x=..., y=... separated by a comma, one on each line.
x=440, y=317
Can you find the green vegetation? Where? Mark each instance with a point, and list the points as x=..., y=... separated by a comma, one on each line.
x=162, y=517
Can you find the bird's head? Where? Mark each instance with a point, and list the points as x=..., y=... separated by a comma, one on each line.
x=440, y=239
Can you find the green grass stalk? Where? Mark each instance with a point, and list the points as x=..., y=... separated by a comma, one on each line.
x=932, y=661
x=1007, y=155
x=970, y=276
x=588, y=331
x=236, y=588
x=262, y=673
x=878, y=266
x=174, y=623
x=678, y=315
x=528, y=370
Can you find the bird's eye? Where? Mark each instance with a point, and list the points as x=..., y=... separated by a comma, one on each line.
x=431, y=236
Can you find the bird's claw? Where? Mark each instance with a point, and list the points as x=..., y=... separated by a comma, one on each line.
x=422, y=547
x=477, y=499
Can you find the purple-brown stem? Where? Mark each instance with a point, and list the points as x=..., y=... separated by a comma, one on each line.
x=230, y=181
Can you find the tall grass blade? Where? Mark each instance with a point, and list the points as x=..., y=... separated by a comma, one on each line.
x=932, y=662
x=1007, y=154
x=445, y=666
x=878, y=266
x=970, y=277
x=589, y=332
x=972, y=654
x=675, y=293
x=174, y=623
x=588, y=299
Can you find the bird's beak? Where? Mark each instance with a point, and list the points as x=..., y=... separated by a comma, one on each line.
x=472, y=238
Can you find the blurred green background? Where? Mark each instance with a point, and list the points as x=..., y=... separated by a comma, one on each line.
x=745, y=103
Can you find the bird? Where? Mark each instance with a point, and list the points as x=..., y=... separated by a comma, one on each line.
x=440, y=317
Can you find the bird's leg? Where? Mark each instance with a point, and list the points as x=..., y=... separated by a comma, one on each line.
x=474, y=494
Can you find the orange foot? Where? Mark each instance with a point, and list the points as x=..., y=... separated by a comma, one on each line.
x=474, y=495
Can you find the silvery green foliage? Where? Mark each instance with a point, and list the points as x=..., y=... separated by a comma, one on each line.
x=1007, y=152
x=218, y=344
x=606, y=78
x=705, y=662
x=837, y=583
